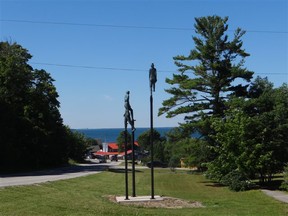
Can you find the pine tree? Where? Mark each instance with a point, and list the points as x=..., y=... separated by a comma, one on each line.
x=201, y=87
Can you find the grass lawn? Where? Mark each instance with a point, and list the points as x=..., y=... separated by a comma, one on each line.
x=86, y=196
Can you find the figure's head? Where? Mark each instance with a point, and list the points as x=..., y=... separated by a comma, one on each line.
x=128, y=92
x=152, y=65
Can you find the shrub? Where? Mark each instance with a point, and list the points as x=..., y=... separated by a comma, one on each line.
x=236, y=181
x=173, y=163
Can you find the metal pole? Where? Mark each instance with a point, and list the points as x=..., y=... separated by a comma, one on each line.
x=151, y=145
x=126, y=163
x=133, y=165
x=153, y=80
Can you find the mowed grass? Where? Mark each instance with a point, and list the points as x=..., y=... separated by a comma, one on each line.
x=87, y=196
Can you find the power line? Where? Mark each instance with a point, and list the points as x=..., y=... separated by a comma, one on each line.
x=126, y=26
x=122, y=69
x=87, y=67
x=97, y=67
x=95, y=25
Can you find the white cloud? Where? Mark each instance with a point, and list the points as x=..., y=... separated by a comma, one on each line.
x=108, y=98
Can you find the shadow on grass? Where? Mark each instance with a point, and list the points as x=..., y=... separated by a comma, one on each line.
x=195, y=172
x=273, y=185
x=122, y=170
x=212, y=184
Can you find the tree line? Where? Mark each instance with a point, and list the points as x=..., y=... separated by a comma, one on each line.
x=32, y=134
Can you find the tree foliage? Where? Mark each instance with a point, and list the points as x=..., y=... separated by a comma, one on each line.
x=32, y=134
x=284, y=184
x=243, y=128
x=215, y=64
x=269, y=112
x=78, y=145
x=159, y=143
x=252, y=139
x=144, y=139
x=186, y=147
x=205, y=81
x=121, y=141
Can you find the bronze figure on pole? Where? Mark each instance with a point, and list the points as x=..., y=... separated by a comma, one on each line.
x=129, y=118
x=152, y=77
x=153, y=80
x=128, y=115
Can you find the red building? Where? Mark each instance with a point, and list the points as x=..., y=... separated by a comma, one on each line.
x=113, y=149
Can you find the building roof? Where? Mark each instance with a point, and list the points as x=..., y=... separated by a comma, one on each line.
x=113, y=146
x=105, y=153
x=112, y=153
x=123, y=153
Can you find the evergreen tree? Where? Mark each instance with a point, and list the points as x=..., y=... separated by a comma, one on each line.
x=216, y=63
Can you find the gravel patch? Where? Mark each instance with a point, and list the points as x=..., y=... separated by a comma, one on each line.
x=167, y=202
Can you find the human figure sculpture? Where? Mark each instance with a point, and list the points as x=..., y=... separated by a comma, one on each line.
x=152, y=77
x=128, y=111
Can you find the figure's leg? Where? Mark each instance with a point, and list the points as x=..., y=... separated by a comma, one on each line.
x=125, y=120
x=132, y=115
x=131, y=121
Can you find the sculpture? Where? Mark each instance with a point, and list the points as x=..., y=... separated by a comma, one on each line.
x=129, y=118
x=128, y=111
x=152, y=77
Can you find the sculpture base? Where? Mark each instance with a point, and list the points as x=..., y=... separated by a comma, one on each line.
x=122, y=199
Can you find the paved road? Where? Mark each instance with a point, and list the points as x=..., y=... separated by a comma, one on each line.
x=53, y=175
x=278, y=195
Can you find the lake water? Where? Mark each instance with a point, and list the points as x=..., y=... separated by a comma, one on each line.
x=111, y=134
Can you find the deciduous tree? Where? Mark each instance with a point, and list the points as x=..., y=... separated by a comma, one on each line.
x=32, y=134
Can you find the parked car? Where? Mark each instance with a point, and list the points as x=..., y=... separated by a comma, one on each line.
x=101, y=158
x=157, y=164
x=114, y=158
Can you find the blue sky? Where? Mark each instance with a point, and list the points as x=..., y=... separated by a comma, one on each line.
x=115, y=42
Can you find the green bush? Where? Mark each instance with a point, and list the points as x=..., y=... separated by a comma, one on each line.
x=173, y=163
x=236, y=181
x=145, y=160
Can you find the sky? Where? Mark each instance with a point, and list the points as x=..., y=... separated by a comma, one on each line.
x=98, y=50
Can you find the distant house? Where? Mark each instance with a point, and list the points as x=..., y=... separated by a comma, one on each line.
x=113, y=147
x=110, y=149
